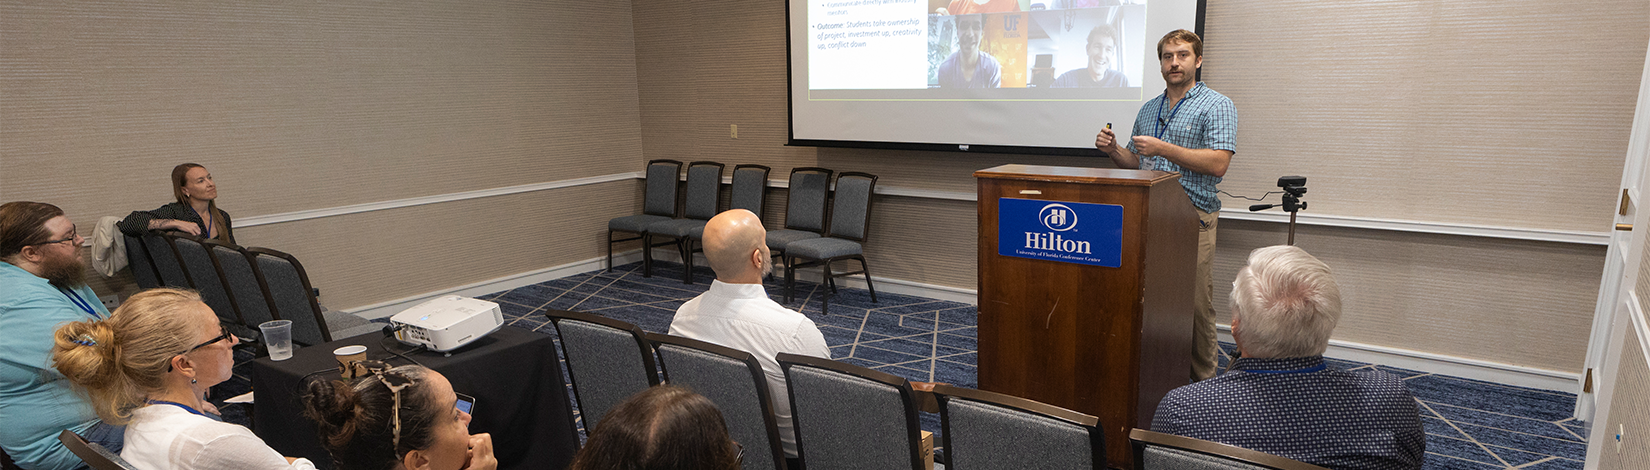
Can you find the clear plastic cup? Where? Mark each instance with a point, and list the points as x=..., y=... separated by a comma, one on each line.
x=278, y=338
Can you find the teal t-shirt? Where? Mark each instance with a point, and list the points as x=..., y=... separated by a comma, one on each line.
x=37, y=402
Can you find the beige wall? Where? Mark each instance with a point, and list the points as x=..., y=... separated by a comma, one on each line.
x=313, y=105
x=1488, y=133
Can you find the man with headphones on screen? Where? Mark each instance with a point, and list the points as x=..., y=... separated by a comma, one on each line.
x=1192, y=130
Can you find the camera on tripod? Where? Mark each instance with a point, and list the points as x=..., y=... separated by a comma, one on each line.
x=1293, y=188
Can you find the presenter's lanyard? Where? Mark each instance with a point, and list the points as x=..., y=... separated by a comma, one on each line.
x=79, y=302
x=208, y=223
x=1162, y=125
x=179, y=405
x=1307, y=370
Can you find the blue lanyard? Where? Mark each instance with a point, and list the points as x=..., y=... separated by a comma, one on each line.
x=208, y=230
x=179, y=405
x=1162, y=125
x=82, y=303
x=1316, y=368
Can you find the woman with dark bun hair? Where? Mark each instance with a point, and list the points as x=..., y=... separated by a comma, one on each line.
x=148, y=366
x=662, y=428
x=195, y=212
x=393, y=419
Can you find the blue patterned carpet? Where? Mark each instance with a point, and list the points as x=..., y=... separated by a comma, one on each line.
x=1470, y=424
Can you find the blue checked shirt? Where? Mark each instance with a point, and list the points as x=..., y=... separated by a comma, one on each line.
x=1303, y=409
x=1203, y=119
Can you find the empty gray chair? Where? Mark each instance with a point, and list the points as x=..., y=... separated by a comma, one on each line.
x=95, y=456
x=704, y=195
x=734, y=381
x=197, y=261
x=137, y=259
x=985, y=431
x=236, y=271
x=1159, y=451
x=289, y=295
x=809, y=189
x=851, y=417
x=850, y=221
x=166, y=261
x=607, y=361
x=658, y=205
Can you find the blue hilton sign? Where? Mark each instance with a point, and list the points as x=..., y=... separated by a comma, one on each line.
x=1069, y=232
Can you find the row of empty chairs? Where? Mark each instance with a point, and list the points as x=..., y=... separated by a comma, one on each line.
x=849, y=417
x=245, y=286
x=821, y=225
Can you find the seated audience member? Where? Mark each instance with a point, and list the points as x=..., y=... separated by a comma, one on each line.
x=1280, y=397
x=149, y=366
x=195, y=213
x=405, y=418
x=42, y=286
x=737, y=313
x=661, y=428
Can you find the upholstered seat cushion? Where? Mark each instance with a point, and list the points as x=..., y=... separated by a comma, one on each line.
x=780, y=239
x=822, y=248
x=678, y=228
x=635, y=223
x=697, y=233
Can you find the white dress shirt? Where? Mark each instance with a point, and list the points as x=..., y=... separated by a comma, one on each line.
x=162, y=436
x=741, y=316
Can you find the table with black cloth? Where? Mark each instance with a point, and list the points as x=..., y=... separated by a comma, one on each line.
x=513, y=374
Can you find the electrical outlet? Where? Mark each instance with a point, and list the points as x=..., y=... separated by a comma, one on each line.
x=110, y=301
x=733, y=130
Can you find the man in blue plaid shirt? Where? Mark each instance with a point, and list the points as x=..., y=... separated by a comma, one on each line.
x=1192, y=130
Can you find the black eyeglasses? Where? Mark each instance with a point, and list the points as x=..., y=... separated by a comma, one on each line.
x=223, y=334
x=72, y=236
x=739, y=458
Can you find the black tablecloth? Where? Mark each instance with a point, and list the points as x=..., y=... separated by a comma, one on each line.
x=513, y=374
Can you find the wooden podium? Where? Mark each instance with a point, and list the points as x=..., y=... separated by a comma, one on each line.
x=1106, y=341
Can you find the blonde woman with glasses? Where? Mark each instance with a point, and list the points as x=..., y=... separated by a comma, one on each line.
x=148, y=366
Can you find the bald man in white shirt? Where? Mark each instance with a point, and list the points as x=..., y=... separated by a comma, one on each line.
x=737, y=313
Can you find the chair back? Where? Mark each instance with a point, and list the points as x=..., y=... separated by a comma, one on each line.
x=734, y=381
x=851, y=417
x=197, y=261
x=660, y=196
x=607, y=361
x=704, y=190
x=241, y=282
x=851, y=206
x=1159, y=451
x=805, y=208
x=137, y=258
x=989, y=431
x=167, y=263
x=289, y=294
x=750, y=189
x=96, y=456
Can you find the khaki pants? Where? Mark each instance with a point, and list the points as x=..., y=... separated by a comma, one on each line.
x=1204, y=346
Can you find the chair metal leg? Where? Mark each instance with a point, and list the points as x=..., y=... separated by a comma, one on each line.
x=610, y=250
x=830, y=280
x=647, y=254
x=684, y=246
x=790, y=280
x=825, y=300
x=867, y=269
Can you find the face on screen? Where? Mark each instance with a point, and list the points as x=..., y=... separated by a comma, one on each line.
x=1179, y=63
x=1102, y=53
x=969, y=30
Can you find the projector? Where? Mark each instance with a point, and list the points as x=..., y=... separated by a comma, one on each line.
x=448, y=322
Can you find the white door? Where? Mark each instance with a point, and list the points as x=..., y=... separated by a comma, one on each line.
x=1621, y=265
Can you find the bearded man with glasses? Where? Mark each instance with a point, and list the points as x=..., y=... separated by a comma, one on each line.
x=42, y=285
